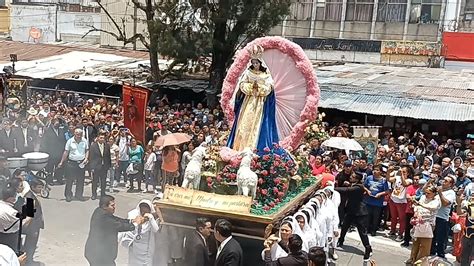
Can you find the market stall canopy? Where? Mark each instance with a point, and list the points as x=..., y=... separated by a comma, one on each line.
x=415, y=92
x=341, y=143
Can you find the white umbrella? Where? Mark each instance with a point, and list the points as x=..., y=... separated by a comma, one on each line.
x=343, y=144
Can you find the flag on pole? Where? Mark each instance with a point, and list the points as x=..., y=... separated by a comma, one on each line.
x=135, y=101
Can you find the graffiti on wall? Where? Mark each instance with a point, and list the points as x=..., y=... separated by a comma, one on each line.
x=411, y=48
x=339, y=44
x=83, y=21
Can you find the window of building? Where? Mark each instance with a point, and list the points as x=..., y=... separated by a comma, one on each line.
x=359, y=10
x=333, y=11
x=300, y=10
x=425, y=11
x=391, y=10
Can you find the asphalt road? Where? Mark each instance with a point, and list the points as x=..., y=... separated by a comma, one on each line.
x=67, y=224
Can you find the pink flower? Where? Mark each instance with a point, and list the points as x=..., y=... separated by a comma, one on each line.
x=264, y=172
x=280, y=195
x=277, y=200
x=264, y=192
x=275, y=190
x=219, y=178
x=266, y=149
x=277, y=181
x=272, y=204
x=260, y=181
x=233, y=176
x=266, y=208
x=209, y=185
x=209, y=179
x=276, y=163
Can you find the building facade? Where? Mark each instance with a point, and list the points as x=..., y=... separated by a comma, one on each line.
x=46, y=21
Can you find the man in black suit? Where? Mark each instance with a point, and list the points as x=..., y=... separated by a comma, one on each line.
x=88, y=130
x=32, y=231
x=99, y=162
x=102, y=242
x=229, y=252
x=7, y=140
x=54, y=140
x=26, y=137
x=196, y=252
x=296, y=257
x=355, y=212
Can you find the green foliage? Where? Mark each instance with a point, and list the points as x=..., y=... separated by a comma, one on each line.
x=201, y=28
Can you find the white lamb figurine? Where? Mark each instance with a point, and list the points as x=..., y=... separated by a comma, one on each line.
x=246, y=178
x=192, y=173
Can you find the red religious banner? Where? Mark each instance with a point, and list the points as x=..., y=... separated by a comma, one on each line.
x=135, y=100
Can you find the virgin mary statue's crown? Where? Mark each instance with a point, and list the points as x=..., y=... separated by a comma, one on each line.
x=256, y=52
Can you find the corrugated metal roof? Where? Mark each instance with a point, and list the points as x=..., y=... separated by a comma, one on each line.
x=394, y=106
x=422, y=93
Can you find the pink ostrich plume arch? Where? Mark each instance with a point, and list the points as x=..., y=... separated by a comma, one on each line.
x=296, y=86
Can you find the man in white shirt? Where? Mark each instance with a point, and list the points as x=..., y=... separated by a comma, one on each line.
x=8, y=218
x=447, y=197
x=123, y=158
x=76, y=154
x=9, y=258
x=229, y=252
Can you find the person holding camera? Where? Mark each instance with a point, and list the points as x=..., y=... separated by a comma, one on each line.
x=32, y=231
x=423, y=222
x=296, y=257
x=140, y=242
x=8, y=217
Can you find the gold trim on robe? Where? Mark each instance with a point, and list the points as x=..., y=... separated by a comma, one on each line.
x=255, y=85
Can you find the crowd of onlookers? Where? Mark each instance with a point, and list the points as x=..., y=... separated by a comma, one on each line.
x=417, y=188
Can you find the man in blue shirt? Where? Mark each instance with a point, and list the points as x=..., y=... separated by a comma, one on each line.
x=376, y=187
x=461, y=179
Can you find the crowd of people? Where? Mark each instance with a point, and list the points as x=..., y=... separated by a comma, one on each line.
x=418, y=188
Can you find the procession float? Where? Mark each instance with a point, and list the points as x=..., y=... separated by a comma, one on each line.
x=270, y=96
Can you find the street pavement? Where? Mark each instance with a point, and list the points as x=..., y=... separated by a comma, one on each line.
x=67, y=225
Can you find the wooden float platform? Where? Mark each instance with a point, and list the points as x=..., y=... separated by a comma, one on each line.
x=245, y=225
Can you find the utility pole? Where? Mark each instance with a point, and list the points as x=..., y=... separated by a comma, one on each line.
x=56, y=24
x=135, y=21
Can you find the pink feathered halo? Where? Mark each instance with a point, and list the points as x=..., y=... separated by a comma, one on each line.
x=303, y=65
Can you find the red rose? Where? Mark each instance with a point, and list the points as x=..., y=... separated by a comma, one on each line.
x=281, y=194
x=266, y=157
x=260, y=181
x=277, y=181
x=233, y=176
x=276, y=163
x=265, y=172
x=266, y=208
x=277, y=200
x=264, y=192
x=266, y=149
x=275, y=190
x=219, y=178
x=209, y=179
x=272, y=204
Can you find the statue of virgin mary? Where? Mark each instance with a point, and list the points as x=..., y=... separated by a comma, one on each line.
x=254, y=107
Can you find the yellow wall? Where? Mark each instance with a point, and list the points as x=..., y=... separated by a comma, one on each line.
x=4, y=20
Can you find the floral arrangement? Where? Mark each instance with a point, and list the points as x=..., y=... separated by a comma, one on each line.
x=316, y=130
x=302, y=63
x=274, y=168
